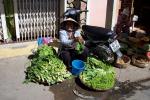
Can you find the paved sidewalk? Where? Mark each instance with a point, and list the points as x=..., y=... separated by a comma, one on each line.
x=22, y=48
x=17, y=49
x=12, y=75
x=11, y=82
x=134, y=83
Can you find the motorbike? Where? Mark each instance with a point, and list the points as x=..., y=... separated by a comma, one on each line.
x=101, y=42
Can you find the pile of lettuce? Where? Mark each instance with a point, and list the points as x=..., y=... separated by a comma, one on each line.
x=98, y=75
x=46, y=67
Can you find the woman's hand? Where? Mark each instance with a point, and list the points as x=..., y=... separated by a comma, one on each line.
x=79, y=39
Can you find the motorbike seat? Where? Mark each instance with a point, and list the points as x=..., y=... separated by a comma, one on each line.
x=97, y=33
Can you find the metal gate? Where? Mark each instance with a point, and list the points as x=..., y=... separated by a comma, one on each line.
x=36, y=18
x=3, y=27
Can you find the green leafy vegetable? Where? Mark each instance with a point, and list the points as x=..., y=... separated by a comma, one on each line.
x=98, y=75
x=45, y=51
x=46, y=67
x=79, y=47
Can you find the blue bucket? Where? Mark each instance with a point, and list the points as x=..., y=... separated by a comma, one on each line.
x=77, y=67
x=40, y=41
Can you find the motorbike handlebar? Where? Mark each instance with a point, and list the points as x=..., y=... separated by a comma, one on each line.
x=84, y=11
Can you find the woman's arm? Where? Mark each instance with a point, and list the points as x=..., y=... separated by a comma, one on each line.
x=78, y=37
x=64, y=38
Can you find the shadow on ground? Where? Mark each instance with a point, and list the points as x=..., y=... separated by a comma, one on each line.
x=74, y=90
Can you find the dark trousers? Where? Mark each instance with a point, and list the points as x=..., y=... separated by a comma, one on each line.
x=68, y=55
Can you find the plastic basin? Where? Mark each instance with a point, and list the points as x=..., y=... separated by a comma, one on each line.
x=77, y=67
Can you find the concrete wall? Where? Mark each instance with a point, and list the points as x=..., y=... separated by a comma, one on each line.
x=103, y=13
x=62, y=8
x=97, y=12
x=116, y=7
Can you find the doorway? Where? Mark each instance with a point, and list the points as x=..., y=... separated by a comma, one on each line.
x=142, y=9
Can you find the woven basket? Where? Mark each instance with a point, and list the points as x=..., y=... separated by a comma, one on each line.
x=125, y=64
x=133, y=39
x=130, y=52
x=96, y=89
x=137, y=63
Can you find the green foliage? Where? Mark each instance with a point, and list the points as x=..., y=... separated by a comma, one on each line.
x=146, y=47
x=46, y=67
x=98, y=75
x=79, y=47
x=45, y=51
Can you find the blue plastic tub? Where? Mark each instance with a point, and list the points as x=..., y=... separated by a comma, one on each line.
x=77, y=67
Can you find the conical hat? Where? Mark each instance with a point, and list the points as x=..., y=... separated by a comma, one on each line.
x=69, y=20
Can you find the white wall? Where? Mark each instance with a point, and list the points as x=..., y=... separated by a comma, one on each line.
x=97, y=12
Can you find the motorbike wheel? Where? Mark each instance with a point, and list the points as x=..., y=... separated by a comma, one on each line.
x=104, y=53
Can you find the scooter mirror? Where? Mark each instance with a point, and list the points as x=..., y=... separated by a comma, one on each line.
x=135, y=18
